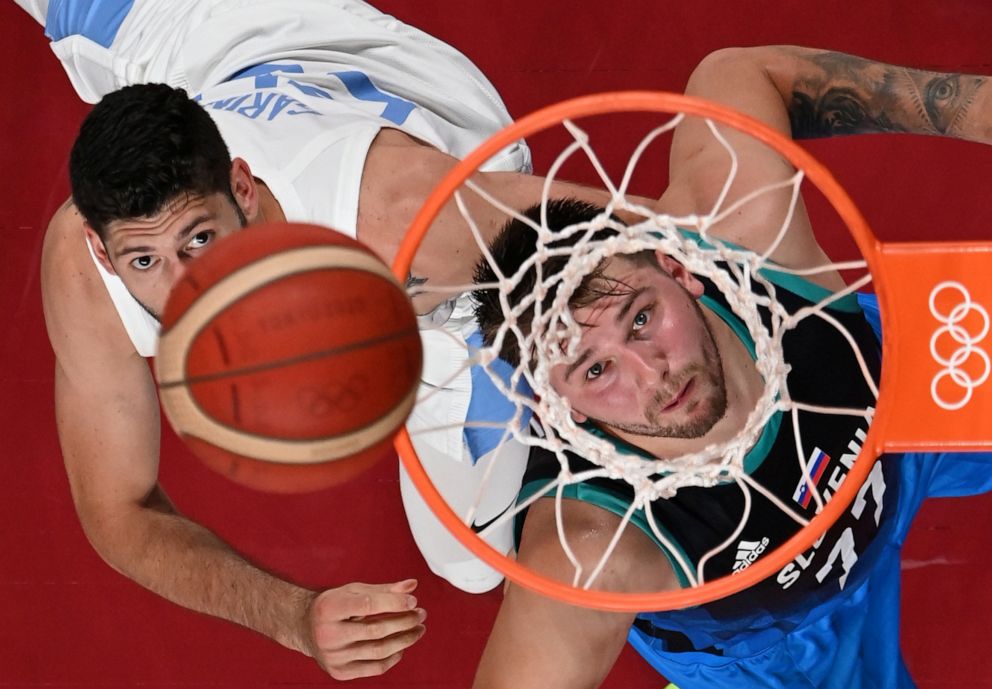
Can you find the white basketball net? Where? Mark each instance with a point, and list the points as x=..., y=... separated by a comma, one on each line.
x=554, y=335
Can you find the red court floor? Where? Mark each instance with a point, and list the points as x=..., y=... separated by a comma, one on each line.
x=68, y=620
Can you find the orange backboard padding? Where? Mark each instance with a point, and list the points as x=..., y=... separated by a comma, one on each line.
x=925, y=403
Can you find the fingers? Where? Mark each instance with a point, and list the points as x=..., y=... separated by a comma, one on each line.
x=405, y=586
x=365, y=668
x=380, y=648
x=369, y=657
x=361, y=630
x=363, y=600
x=384, y=626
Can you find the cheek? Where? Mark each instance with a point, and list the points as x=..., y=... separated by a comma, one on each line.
x=683, y=334
x=151, y=291
x=610, y=402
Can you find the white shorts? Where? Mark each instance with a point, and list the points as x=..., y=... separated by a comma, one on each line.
x=478, y=471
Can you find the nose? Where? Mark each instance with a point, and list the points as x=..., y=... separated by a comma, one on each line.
x=176, y=270
x=649, y=368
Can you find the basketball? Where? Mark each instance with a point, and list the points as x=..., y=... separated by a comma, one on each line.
x=289, y=357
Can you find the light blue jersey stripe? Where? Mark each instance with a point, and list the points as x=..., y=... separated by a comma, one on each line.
x=97, y=20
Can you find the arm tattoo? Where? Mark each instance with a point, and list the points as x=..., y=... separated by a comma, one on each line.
x=947, y=100
x=439, y=314
x=414, y=281
x=836, y=94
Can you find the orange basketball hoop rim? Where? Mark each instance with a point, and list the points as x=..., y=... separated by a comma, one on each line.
x=911, y=281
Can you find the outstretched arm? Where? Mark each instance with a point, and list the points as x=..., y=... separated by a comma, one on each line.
x=540, y=643
x=806, y=93
x=108, y=421
x=832, y=94
x=800, y=92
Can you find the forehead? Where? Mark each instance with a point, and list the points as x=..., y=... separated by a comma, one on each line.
x=621, y=279
x=174, y=216
x=626, y=268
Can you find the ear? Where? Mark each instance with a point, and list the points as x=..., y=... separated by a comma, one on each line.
x=244, y=188
x=99, y=248
x=680, y=274
x=579, y=417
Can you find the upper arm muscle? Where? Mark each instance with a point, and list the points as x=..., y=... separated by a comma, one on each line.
x=106, y=404
x=540, y=642
x=700, y=163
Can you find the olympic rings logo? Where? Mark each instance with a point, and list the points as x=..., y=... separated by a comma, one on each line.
x=964, y=352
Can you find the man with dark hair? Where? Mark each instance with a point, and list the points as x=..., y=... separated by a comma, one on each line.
x=664, y=367
x=516, y=243
x=172, y=148
x=347, y=120
x=173, y=157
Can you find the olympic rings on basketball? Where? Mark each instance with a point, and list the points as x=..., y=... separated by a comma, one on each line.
x=967, y=343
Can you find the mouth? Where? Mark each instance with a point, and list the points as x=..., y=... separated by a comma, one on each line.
x=680, y=397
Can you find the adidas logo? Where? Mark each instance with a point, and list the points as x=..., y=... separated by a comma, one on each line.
x=748, y=552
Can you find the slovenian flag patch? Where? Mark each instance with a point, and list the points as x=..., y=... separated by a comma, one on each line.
x=815, y=467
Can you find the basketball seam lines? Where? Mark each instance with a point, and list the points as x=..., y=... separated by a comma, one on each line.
x=249, y=370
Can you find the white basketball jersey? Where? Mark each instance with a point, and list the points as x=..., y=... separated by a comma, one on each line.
x=36, y=8
x=298, y=88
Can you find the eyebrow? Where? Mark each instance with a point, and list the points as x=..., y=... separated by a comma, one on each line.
x=185, y=232
x=625, y=306
x=628, y=302
x=577, y=363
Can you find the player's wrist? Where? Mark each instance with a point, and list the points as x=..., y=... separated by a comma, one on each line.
x=295, y=632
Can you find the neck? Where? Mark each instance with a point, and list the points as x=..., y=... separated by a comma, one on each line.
x=269, y=209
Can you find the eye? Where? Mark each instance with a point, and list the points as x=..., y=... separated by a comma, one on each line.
x=595, y=371
x=143, y=262
x=200, y=240
x=641, y=319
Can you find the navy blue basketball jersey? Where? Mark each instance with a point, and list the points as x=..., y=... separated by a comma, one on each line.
x=824, y=371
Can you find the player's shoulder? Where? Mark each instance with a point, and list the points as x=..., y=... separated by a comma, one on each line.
x=80, y=317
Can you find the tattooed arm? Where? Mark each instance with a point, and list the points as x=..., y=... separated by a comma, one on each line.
x=830, y=94
x=806, y=93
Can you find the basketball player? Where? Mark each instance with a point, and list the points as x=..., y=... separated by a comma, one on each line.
x=401, y=136
x=346, y=120
x=663, y=368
